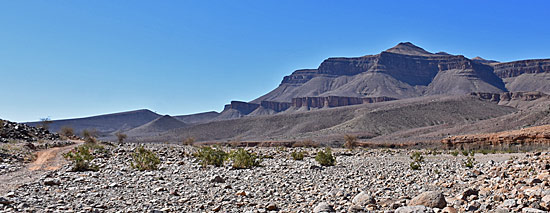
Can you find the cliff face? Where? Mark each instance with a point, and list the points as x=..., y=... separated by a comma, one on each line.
x=516, y=68
x=508, y=96
x=243, y=107
x=275, y=106
x=334, y=101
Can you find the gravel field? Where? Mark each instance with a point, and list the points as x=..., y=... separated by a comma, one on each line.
x=373, y=180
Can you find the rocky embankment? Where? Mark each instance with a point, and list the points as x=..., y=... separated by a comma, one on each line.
x=539, y=135
x=16, y=131
x=361, y=181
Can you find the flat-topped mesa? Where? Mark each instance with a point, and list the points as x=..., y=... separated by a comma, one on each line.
x=508, y=96
x=516, y=68
x=241, y=106
x=335, y=101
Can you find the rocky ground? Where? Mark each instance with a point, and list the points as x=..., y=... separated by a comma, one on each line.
x=377, y=180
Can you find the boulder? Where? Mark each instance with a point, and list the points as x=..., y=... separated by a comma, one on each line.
x=362, y=199
x=432, y=199
x=413, y=209
x=323, y=207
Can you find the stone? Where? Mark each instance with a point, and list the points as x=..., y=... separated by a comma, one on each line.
x=468, y=192
x=413, y=209
x=52, y=181
x=323, y=207
x=217, y=179
x=531, y=210
x=271, y=207
x=5, y=201
x=362, y=199
x=449, y=209
x=430, y=199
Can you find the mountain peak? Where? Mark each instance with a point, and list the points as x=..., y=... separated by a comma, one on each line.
x=408, y=48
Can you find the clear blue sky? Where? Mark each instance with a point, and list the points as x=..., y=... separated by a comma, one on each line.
x=64, y=59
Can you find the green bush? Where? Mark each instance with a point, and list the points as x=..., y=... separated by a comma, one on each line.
x=465, y=152
x=81, y=157
x=144, y=159
x=325, y=157
x=417, y=160
x=454, y=153
x=297, y=155
x=469, y=162
x=415, y=165
x=210, y=156
x=243, y=159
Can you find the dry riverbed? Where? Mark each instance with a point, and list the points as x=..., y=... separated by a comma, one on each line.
x=373, y=180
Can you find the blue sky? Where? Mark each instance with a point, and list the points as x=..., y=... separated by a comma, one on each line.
x=65, y=59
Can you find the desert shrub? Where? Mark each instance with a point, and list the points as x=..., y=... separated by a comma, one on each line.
x=66, y=131
x=351, y=141
x=121, y=137
x=417, y=158
x=188, y=141
x=305, y=143
x=484, y=151
x=465, y=152
x=243, y=159
x=144, y=159
x=82, y=156
x=297, y=155
x=469, y=162
x=325, y=158
x=454, y=153
x=89, y=136
x=210, y=156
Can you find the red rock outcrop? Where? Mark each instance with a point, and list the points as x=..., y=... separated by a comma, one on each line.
x=532, y=135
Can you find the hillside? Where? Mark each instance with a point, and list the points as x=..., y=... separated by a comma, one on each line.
x=158, y=125
x=366, y=119
x=105, y=124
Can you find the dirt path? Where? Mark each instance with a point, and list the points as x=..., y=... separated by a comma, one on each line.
x=47, y=160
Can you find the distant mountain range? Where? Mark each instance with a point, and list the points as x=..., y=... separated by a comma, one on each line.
x=402, y=72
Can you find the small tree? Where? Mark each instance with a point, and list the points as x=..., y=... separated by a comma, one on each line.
x=325, y=157
x=45, y=123
x=121, y=137
x=351, y=141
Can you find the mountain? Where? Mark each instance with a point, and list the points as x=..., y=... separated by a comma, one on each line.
x=158, y=125
x=105, y=124
x=403, y=71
